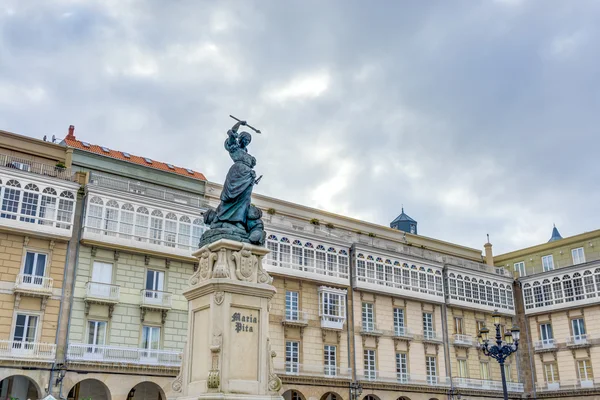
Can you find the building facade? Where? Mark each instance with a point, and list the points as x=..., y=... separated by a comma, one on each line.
x=362, y=311
x=38, y=190
x=559, y=307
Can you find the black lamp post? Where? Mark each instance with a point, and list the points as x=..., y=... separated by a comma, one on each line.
x=355, y=390
x=501, y=350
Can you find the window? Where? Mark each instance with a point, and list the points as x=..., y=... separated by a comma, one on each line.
x=485, y=370
x=101, y=280
x=150, y=341
x=401, y=368
x=332, y=305
x=431, y=370
x=578, y=255
x=170, y=229
x=520, y=268
x=548, y=263
x=291, y=306
x=155, y=282
x=480, y=326
x=185, y=230
x=34, y=268
x=330, y=358
x=584, y=368
x=551, y=372
x=368, y=323
x=96, y=335
x=66, y=203
x=428, y=326
x=48, y=207
x=10, y=202
x=399, y=327
x=141, y=224
x=507, y=372
x=126, y=221
x=578, y=326
x=462, y=369
x=546, y=335
x=369, y=361
x=458, y=325
x=292, y=351
x=29, y=207
x=25, y=331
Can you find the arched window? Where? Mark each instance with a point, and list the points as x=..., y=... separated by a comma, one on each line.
x=66, y=205
x=332, y=267
x=94, y=214
x=468, y=292
x=198, y=229
x=557, y=290
x=568, y=288
x=297, y=253
x=547, y=292
x=156, y=227
x=538, y=298
x=142, y=220
x=111, y=218
x=460, y=287
x=309, y=257
x=452, y=285
x=170, y=230
x=29, y=208
x=48, y=207
x=528, y=296
x=320, y=259
x=578, y=286
x=273, y=246
x=10, y=201
x=185, y=230
x=285, y=252
x=126, y=221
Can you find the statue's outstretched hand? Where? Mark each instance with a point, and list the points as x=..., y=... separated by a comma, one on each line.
x=243, y=123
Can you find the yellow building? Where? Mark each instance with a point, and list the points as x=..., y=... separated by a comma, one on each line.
x=559, y=311
x=38, y=195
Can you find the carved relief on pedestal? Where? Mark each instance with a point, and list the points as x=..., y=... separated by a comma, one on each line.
x=205, y=265
x=214, y=380
x=274, y=383
x=178, y=382
x=221, y=268
x=219, y=297
x=245, y=263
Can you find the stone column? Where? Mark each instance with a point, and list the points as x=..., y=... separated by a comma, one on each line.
x=228, y=353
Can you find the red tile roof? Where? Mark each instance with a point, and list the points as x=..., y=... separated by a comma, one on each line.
x=71, y=141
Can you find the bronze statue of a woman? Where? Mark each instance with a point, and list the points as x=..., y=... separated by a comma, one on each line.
x=235, y=218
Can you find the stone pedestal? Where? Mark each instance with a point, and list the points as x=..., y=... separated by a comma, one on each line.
x=228, y=353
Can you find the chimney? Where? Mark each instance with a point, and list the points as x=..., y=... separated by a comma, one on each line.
x=489, y=256
x=71, y=134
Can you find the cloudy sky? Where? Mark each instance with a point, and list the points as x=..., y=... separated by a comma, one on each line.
x=479, y=117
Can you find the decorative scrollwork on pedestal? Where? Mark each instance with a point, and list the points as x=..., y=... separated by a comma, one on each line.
x=263, y=276
x=221, y=268
x=274, y=384
x=205, y=266
x=178, y=382
x=214, y=375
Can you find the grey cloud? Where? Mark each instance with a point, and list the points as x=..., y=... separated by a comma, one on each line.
x=479, y=117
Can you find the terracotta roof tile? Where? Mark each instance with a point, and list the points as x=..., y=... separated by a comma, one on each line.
x=71, y=141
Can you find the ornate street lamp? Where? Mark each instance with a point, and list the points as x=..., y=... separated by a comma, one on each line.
x=355, y=390
x=502, y=349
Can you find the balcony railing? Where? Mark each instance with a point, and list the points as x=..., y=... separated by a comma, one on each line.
x=432, y=336
x=292, y=368
x=544, y=344
x=34, y=284
x=486, y=384
x=296, y=317
x=370, y=328
x=402, y=332
x=18, y=350
x=464, y=340
x=332, y=322
x=568, y=385
x=404, y=378
x=102, y=292
x=33, y=167
x=87, y=353
x=579, y=340
x=156, y=299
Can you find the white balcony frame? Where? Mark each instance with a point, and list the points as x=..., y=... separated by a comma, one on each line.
x=102, y=293
x=102, y=354
x=483, y=384
x=27, y=351
x=34, y=285
x=544, y=344
x=314, y=370
x=579, y=340
x=464, y=340
x=156, y=299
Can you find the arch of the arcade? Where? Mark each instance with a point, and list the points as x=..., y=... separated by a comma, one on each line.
x=21, y=378
x=119, y=387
